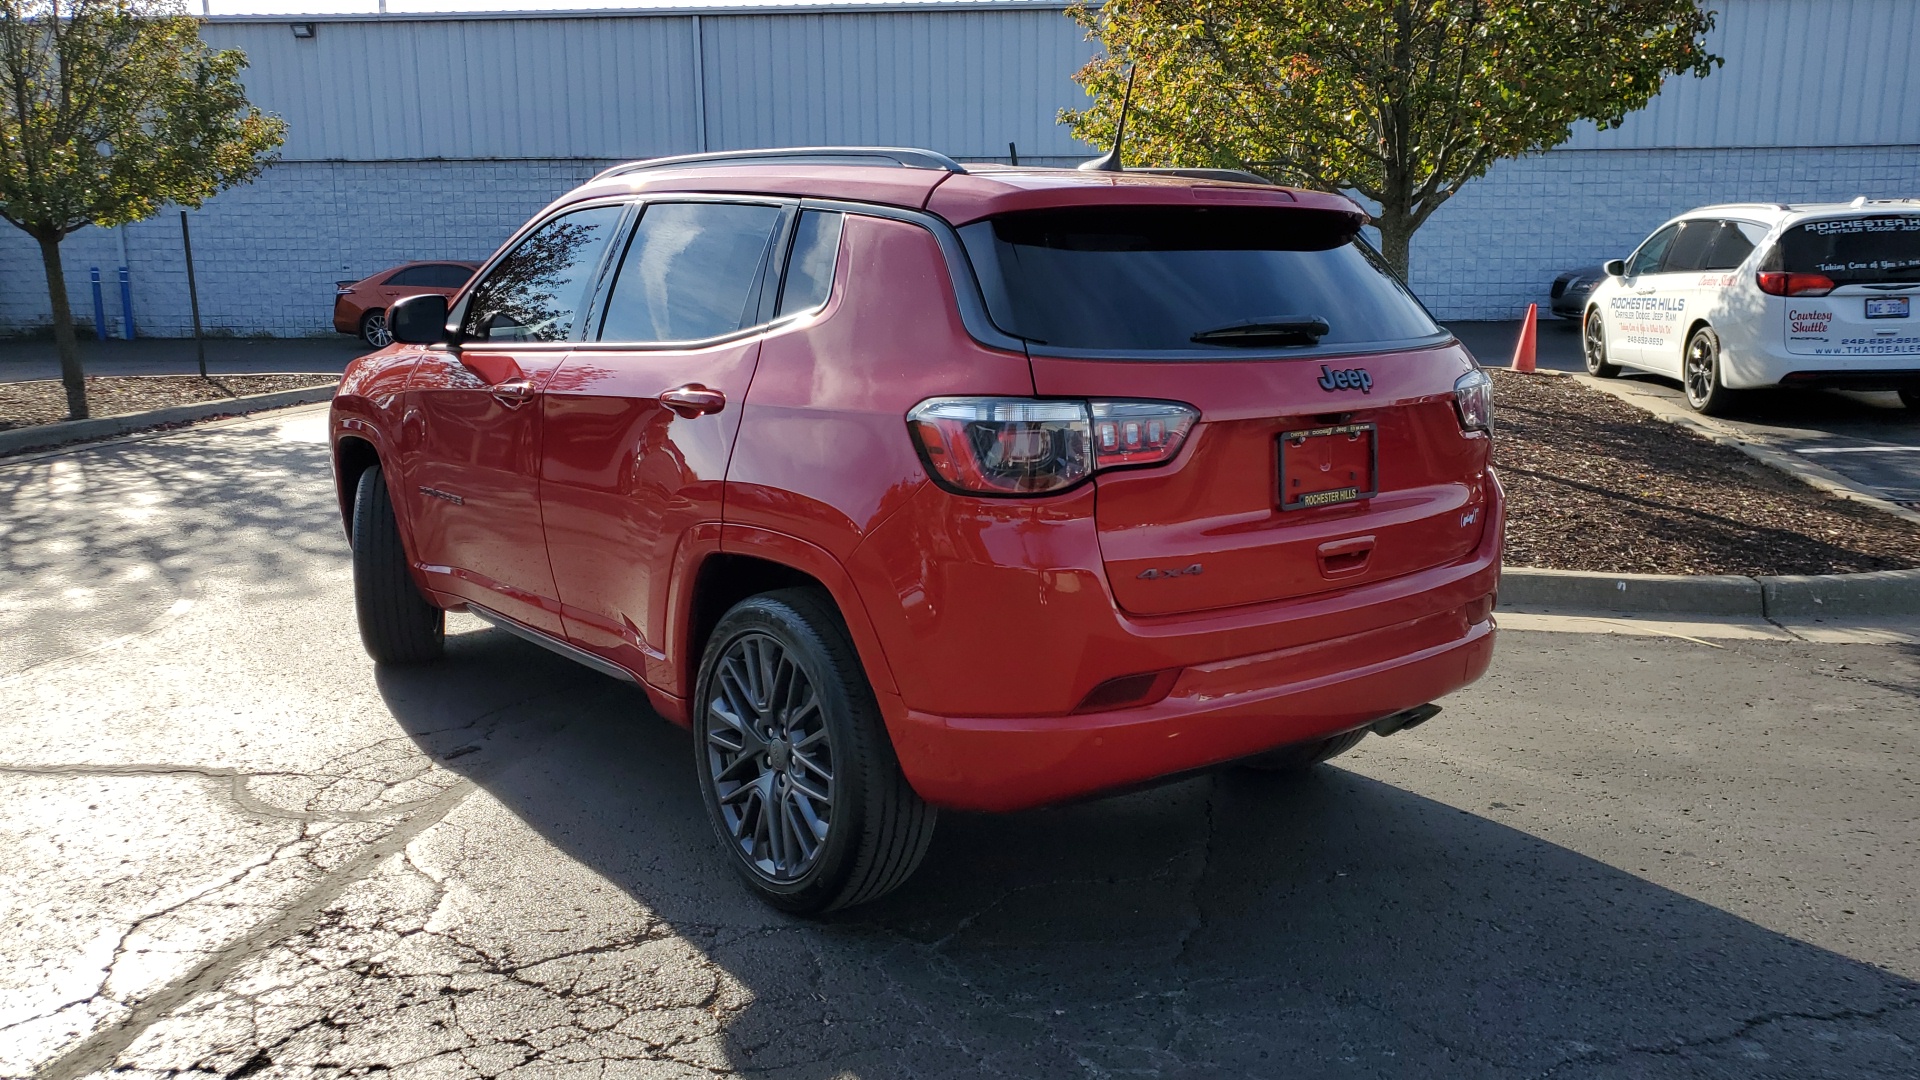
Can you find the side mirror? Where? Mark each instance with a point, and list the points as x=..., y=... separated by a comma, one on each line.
x=1614, y=268
x=419, y=320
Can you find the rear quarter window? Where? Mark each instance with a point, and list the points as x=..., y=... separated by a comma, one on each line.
x=1148, y=279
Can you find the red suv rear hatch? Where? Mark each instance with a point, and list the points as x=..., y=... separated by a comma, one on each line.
x=1332, y=448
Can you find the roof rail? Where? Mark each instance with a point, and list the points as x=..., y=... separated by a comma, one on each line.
x=895, y=156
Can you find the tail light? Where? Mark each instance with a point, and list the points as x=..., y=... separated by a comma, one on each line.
x=1473, y=401
x=1023, y=446
x=1780, y=283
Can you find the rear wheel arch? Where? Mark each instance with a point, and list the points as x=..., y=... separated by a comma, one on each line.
x=754, y=561
x=724, y=579
x=1693, y=328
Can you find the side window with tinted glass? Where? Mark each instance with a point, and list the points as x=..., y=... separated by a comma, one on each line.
x=816, y=249
x=1731, y=246
x=537, y=291
x=1647, y=259
x=1688, y=252
x=692, y=271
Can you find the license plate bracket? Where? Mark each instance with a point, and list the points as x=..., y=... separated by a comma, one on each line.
x=1888, y=307
x=1326, y=466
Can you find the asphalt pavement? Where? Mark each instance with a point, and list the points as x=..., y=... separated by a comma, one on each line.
x=232, y=846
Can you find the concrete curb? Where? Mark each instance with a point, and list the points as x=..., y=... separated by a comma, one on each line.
x=1882, y=593
x=1706, y=427
x=49, y=436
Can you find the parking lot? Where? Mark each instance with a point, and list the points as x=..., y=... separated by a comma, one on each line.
x=234, y=847
x=1870, y=439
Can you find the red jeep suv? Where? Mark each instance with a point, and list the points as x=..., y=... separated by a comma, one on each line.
x=910, y=485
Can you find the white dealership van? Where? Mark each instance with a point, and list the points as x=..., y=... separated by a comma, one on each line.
x=1727, y=298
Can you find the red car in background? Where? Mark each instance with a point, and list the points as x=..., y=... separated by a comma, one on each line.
x=910, y=485
x=360, y=307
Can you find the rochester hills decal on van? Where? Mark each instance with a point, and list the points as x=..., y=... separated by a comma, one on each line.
x=1647, y=320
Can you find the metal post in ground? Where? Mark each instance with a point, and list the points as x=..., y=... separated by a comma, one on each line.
x=99, y=306
x=126, y=302
x=193, y=294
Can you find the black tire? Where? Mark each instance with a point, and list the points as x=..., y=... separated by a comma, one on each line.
x=1593, y=343
x=1700, y=374
x=1303, y=756
x=397, y=624
x=876, y=829
x=373, y=329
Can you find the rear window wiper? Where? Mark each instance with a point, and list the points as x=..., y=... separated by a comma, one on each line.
x=1307, y=330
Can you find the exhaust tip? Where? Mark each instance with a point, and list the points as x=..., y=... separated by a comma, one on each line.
x=1405, y=719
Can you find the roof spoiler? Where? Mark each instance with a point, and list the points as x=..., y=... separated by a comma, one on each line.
x=1237, y=176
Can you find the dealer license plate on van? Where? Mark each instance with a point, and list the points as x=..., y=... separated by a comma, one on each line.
x=1887, y=307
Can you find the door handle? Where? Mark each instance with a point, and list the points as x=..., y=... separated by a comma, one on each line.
x=513, y=394
x=693, y=400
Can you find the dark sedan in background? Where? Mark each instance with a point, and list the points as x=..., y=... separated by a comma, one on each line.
x=1570, y=290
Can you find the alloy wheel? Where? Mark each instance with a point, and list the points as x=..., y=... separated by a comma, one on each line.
x=375, y=331
x=1701, y=361
x=1596, y=343
x=770, y=757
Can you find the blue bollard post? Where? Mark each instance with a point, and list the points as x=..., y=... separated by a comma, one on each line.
x=99, y=307
x=126, y=301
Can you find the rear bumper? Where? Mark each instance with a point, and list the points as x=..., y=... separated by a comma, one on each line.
x=1752, y=365
x=346, y=316
x=1215, y=713
x=1904, y=378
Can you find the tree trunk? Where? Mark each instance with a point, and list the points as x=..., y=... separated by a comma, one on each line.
x=1396, y=238
x=63, y=341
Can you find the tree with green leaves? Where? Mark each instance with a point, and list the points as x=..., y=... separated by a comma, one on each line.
x=110, y=109
x=1400, y=101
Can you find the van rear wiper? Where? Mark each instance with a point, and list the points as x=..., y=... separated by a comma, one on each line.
x=1299, y=330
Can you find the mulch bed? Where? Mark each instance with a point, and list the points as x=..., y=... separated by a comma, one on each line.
x=25, y=404
x=1595, y=484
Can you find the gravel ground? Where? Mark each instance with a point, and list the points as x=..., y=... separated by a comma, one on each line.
x=25, y=404
x=1596, y=484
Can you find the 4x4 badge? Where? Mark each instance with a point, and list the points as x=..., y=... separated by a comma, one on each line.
x=1345, y=379
x=1150, y=574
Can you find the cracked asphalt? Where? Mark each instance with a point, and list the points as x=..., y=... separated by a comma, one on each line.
x=230, y=847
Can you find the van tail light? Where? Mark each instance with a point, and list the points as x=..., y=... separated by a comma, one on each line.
x=1473, y=401
x=1780, y=283
x=1026, y=446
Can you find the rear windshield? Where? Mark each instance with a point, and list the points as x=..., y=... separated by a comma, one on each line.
x=1853, y=250
x=1148, y=279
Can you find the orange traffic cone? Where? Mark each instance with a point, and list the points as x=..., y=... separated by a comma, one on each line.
x=1529, y=330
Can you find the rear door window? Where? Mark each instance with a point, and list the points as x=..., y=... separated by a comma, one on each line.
x=1864, y=250
x=1688, y=252
x=692, y=271
x=535, y=293
x=1154, y=279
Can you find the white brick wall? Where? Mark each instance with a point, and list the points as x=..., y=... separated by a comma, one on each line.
x=267, y=254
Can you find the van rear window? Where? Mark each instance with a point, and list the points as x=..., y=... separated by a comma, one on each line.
x=1195, y=280
x=1853, y=250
